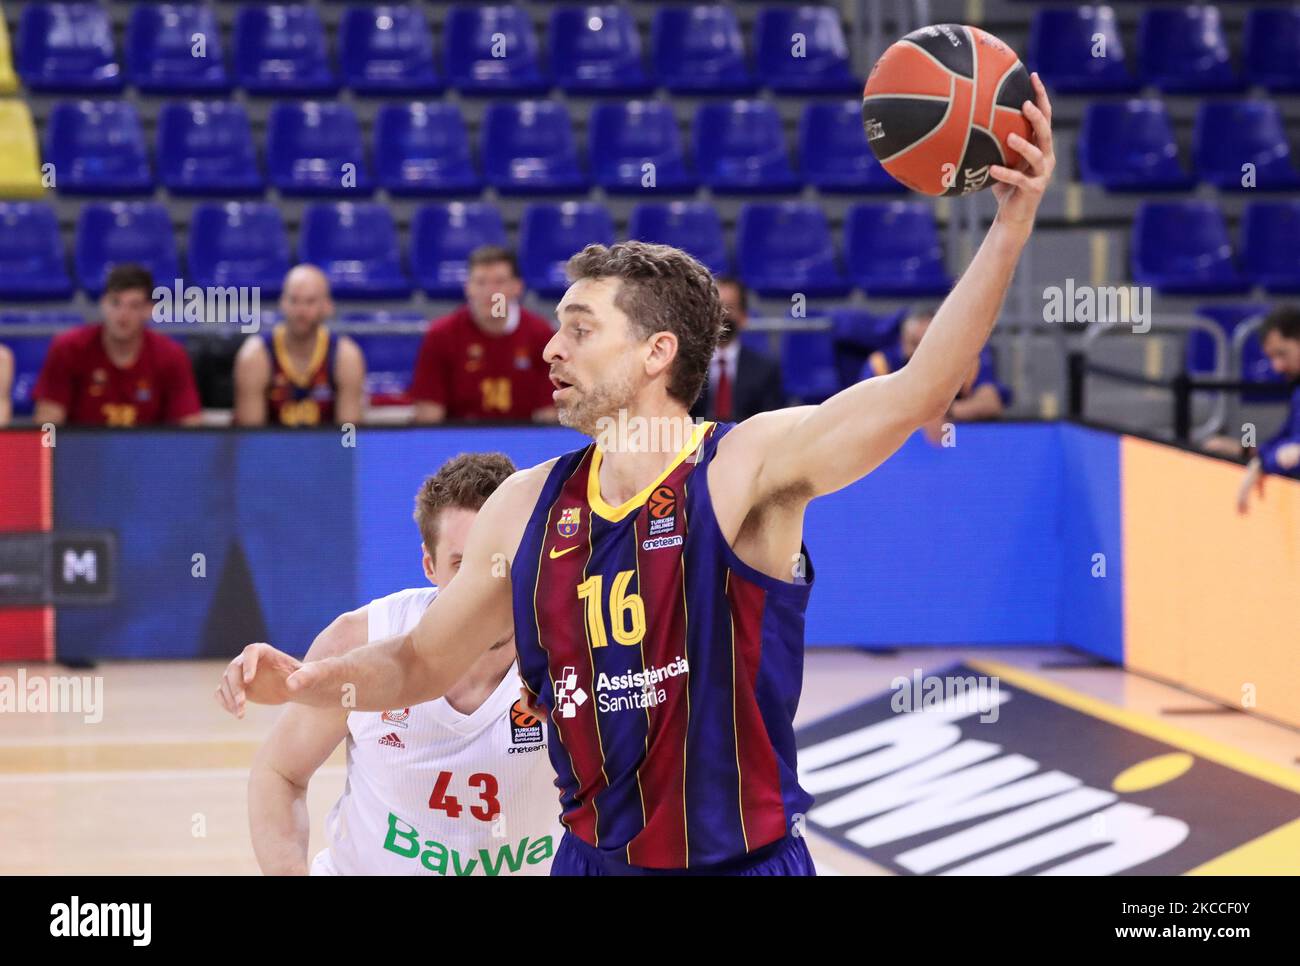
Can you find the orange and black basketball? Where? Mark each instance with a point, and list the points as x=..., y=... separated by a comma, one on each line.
x=520, y=716
x=939, y=105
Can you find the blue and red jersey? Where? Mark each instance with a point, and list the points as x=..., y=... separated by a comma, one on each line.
x=301, y=398
x=670, y=669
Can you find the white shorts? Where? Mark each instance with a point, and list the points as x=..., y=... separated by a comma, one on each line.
x=323, y=864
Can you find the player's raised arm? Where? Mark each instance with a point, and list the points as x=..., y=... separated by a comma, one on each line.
x=819, y=449
x=468, y=616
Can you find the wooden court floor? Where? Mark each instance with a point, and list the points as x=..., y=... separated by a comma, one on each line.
x=158, y=786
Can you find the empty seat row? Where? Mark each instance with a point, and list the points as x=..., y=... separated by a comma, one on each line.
x=388, y=49
x=1185, y=248
x=780, y=248
x=424, y=148
x=1181, y=49
x=1130, y=146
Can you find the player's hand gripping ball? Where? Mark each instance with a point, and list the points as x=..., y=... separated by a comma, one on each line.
x=939, y=106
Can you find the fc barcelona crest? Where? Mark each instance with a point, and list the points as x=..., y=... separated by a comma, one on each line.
x=567, y=525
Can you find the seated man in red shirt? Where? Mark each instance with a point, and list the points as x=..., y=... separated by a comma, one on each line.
x=118, y=372
x=300, y=373
x=484, y=360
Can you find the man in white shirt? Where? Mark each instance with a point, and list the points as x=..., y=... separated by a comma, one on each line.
x=457, y=786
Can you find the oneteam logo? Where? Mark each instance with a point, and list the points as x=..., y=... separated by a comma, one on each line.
x=76, y=919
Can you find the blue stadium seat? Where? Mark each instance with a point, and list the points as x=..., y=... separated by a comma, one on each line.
x=238, y=244
x=1255, y=366
x=786, y=247
x=625, y=135
x=356, y=246
x=894, y=249
x=66, y=47
x=1270, y=245
x=1200, y=347
x=1061, y=47
x=693, y=226
x=207, y=148
x=29, y=358
x=387, y=49
x=808, y=365
x=309, y=146
x=32, y=265
x=97, y=147
x=550, y=233
x=1130, y=146
x=280, y=49
x=161, y=49
x=442, y=237
x=597, y=50
x=1182, y=247
x=819, y=65
x=1230, y=134
x=468, y=46
x=1271, y=42
x=740, y=147
x=1183, y=50
x=834, y=154
x=390, y=363
x=124, y=231
x=423, y=149
x=528, y=148
x=697, y=49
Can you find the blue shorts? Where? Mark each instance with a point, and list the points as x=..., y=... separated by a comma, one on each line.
x=787, y=856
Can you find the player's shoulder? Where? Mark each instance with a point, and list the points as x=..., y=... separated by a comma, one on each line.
x=78, y=338
x=164, y=346
x=453, y=323
x=760, y=432
x=523, y=487
x=254, y=346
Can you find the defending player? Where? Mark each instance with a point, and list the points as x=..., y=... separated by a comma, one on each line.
x=456, y=786
x=658, y=597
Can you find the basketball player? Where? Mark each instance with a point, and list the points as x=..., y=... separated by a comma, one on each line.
x=118, y=372
x=300, y=373
x=456, y=786
x=658, y=597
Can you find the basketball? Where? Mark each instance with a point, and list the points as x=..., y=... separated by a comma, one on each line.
x=939, y=105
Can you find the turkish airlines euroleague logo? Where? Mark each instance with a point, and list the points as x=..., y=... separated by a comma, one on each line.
x=662, y=507
x=525, y=728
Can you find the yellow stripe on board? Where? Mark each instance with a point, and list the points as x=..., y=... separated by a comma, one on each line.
x=1274, y=853
x=1207, y=748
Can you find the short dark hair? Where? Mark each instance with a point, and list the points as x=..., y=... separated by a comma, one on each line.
x=464, y=481
x=128, y=276
x=492, y=255
x=664, y=289
x=1284, y=320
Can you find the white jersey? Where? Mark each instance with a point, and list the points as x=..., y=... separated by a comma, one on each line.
x=431, y=791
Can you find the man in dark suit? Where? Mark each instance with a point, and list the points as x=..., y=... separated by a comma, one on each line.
x=742, y=381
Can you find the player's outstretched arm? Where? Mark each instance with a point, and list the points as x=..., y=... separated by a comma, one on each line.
x=468, y=616
x=300, y=741
x=819, y=449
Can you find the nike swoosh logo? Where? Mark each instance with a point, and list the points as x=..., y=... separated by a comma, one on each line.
x=561, y=553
